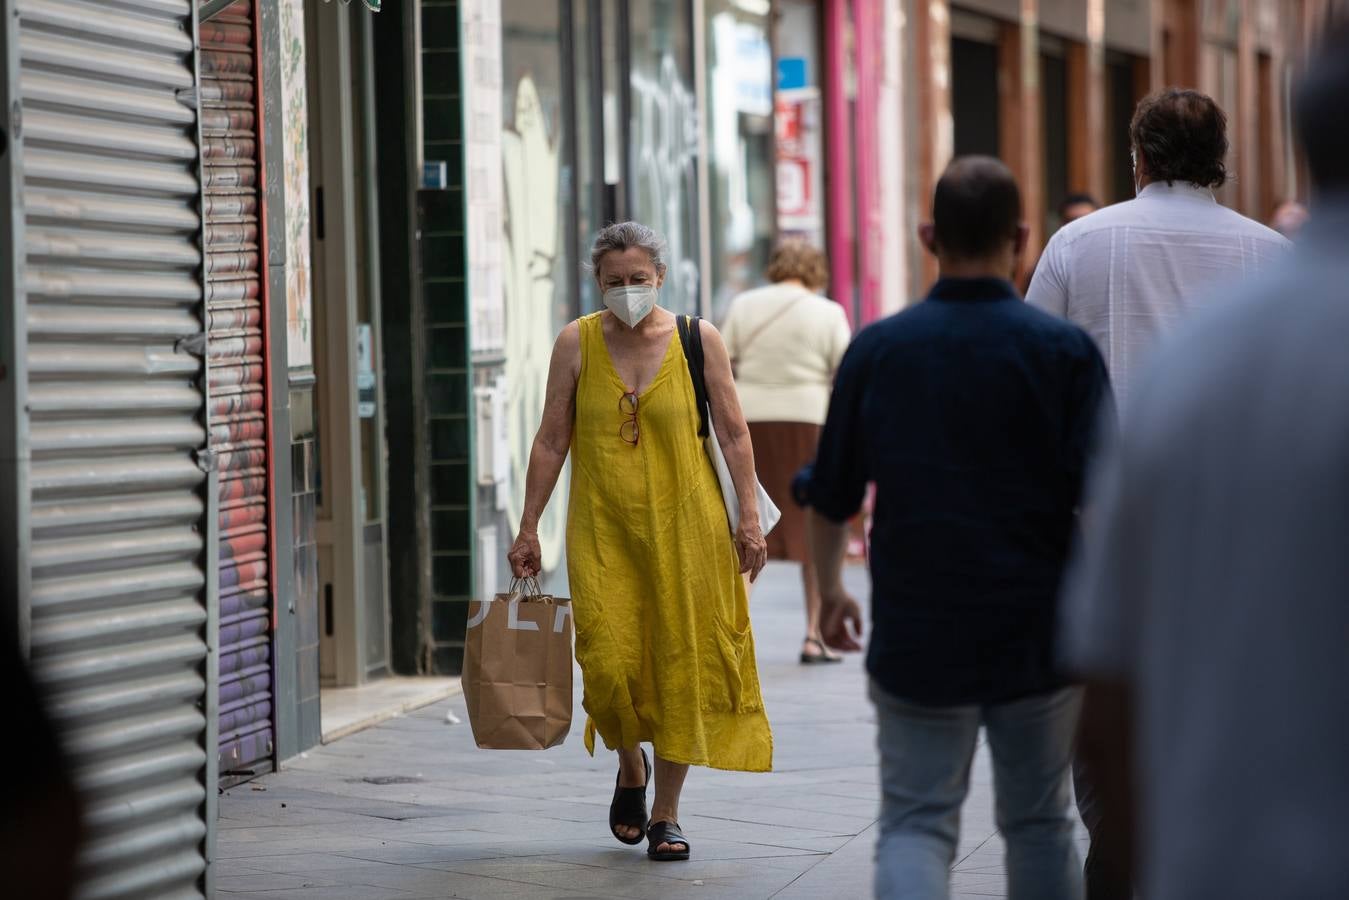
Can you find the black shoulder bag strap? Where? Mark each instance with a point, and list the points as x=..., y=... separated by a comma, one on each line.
x=691, y=338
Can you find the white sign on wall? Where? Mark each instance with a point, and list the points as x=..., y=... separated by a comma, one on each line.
x=481, y=31
x=799, y=174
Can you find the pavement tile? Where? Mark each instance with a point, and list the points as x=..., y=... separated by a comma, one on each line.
x=317, y=864
x=506, y=868
x=719, y=861
x=816, y=821
x=446, y=856
x=847, y=872
x=269, y=881
x=318, y=843
x=694, y=869
x=225, y=868
x=651, y=884
x=977, y=880
x=410, y=879
x=331, y=892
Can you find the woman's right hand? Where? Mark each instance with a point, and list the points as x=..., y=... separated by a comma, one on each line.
x=525, y=556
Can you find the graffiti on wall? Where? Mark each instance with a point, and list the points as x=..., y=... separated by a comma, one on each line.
x=533, y=246
x=481, y=50
x=665, y=173
x=295, y=149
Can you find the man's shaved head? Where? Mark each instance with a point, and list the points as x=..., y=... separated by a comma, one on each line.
x=976, y=209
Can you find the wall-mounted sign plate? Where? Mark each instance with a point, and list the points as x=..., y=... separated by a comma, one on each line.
x=435, y=175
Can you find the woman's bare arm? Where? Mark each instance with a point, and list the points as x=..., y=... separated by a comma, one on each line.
x=549, y=451
x=733, y=435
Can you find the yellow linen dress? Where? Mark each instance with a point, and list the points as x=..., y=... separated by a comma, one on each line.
x=662, y=620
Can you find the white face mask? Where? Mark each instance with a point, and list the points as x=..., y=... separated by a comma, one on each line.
x=631, y=303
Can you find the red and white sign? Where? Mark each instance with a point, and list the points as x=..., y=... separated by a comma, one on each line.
x=795, y=197
x=799, y=181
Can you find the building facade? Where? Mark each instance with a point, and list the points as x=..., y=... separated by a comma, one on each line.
x=1050, y=87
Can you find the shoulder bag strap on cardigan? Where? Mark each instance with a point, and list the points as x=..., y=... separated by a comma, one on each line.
x=762, y=327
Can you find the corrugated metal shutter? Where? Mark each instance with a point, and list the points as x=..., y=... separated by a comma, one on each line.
x=238, y=397
x=118, y=598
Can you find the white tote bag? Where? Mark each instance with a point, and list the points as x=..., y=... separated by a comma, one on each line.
x=769, y=514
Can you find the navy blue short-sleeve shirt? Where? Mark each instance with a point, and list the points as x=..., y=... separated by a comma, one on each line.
x=973, y=414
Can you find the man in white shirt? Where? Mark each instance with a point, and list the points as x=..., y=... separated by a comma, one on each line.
x=1128, y=275
x=1210, y=599
x=1131, y=272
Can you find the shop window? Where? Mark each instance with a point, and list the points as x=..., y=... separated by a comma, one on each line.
x=741, y=148
x=662, y=140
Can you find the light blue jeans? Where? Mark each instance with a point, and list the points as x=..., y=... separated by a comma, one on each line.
x=925, y=774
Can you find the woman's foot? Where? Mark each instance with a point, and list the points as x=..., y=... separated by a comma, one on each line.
x=813, y=651
x=666, y=843
x=627, y=811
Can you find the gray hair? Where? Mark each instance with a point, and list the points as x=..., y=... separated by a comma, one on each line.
x=622, y=236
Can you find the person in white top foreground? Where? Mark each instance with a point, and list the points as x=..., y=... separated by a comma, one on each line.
x=786, y=342
x=1210, y=595
x=1129, y=275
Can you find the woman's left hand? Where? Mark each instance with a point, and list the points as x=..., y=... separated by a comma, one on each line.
x=751, y=546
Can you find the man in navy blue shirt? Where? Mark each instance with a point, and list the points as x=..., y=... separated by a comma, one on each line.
x=973, y=415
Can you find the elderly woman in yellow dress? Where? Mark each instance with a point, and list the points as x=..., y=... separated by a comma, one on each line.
x=662, y=619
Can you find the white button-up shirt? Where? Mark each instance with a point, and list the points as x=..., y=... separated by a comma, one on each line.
x=1127, y=274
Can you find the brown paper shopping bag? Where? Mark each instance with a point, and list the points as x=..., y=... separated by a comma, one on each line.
x=517, y=669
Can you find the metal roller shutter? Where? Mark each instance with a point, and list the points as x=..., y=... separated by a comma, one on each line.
x=238, y=415
x=119, y=594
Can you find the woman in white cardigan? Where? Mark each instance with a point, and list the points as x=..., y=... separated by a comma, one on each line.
x=786, y=343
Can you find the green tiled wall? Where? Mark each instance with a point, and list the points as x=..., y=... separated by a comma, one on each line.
x=447, y=381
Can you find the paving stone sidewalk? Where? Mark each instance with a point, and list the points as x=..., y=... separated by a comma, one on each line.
x=411, y=809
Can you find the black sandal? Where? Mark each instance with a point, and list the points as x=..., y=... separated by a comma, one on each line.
x=824, y=656
x=629, y=806
x=666, y=833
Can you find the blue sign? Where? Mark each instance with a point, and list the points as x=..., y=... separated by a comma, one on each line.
x=435, y=175
x=792, y=73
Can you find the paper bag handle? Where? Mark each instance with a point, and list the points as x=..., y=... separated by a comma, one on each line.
x=528, y=587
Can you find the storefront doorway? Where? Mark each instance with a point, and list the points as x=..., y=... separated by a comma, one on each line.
x=350, y=492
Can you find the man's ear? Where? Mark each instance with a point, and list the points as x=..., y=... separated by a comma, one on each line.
x=927, y=236
x=1022, y=238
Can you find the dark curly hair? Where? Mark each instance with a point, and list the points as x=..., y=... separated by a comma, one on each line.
x=1182, y=136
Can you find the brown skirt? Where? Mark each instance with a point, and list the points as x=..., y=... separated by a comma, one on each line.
x=780, y=450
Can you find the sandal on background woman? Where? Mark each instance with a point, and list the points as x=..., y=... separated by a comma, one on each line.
x=814, y=652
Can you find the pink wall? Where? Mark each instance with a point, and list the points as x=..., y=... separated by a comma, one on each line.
x=838, y=154
x=868, y=21
x=857, y=231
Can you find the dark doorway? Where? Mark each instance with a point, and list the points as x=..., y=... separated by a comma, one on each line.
x=1119, y=113
x=974, y=97
x=1054, y=94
